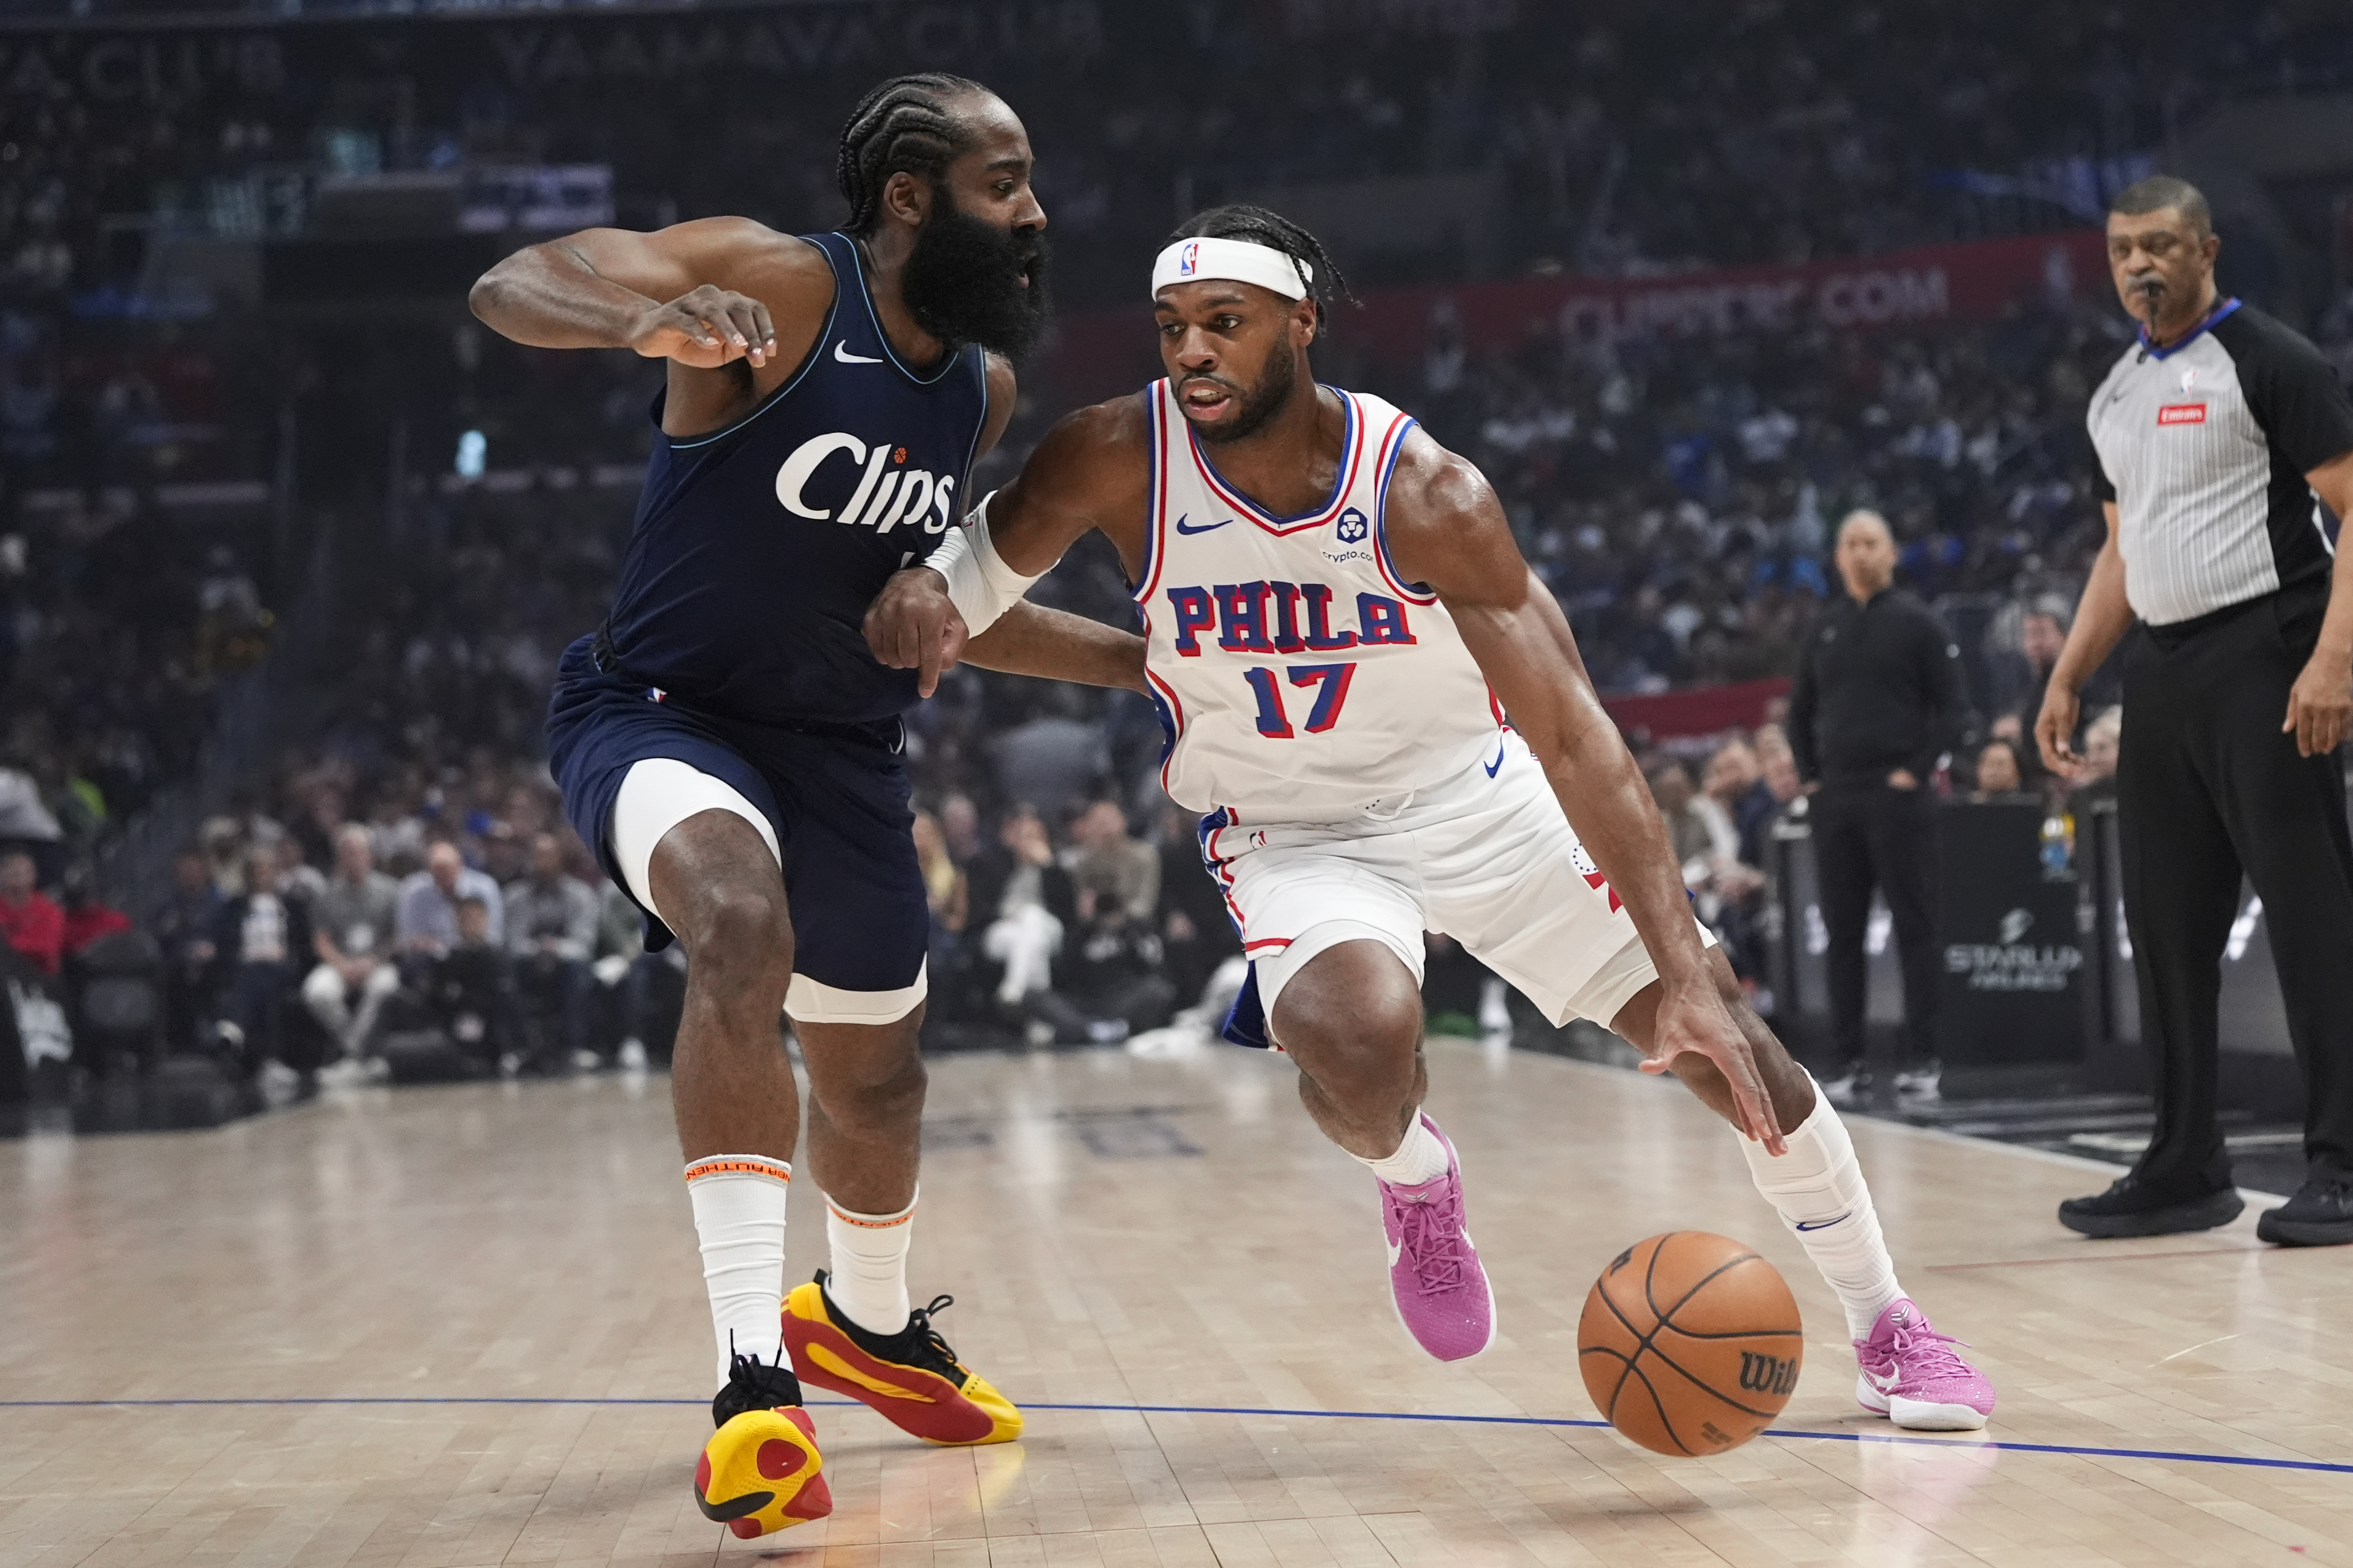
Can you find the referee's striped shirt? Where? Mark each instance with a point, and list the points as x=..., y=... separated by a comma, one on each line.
x=2204, y=447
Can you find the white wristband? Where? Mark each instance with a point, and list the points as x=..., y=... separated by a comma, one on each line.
x=980, y=585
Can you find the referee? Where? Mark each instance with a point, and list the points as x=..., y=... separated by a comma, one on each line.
x=2214, y=433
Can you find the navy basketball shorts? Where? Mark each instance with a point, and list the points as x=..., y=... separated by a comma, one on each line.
x=831, y=802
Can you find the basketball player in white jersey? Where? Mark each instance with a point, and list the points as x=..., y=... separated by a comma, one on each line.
x=1338, y=622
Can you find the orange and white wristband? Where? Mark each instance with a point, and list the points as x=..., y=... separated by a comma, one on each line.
x=740, y=1165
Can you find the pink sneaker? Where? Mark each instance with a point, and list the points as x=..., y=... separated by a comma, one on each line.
x=1441, y=1292
x=1910, y=1376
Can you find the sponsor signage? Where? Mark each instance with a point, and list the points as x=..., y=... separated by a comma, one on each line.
x=2011, y=954
x=1100, y=353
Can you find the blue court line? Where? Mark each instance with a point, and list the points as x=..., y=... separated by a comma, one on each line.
x=2078, y=1451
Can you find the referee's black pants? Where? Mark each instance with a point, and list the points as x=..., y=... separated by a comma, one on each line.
x=1871, y=834
x=2206, y=789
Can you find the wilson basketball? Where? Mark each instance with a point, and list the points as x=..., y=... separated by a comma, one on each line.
x=1690, y=1344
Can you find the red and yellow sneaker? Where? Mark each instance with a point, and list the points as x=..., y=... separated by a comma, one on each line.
x=761, y=1471
x=912, y=1376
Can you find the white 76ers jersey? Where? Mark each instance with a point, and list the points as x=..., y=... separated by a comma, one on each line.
x=1296, y=674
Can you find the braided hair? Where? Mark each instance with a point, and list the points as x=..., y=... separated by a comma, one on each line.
x=1239, y=220
x=901, y=126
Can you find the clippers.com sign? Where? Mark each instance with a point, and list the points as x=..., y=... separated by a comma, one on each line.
x=1973, y=283
x=1101, y=354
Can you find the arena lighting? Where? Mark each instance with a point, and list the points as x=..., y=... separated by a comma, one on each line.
x=473, y=454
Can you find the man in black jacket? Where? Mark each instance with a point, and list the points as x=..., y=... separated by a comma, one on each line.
x=1876, y=707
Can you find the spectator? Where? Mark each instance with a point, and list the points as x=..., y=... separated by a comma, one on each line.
x=297, y=877
x=1109, y=983
x=257, y=937
x=1027, y=902
x=470, y=987
x=1780, y=764
x=87, y=917
x=1109, y=870
x=318, y=822
x=506, y=855
x=1997, y=771
x=427, y=921
x=26, y=821
x=29, y=921
x=1736, y=782
x=1737, y=801
x=948, y=891
x=352, y=920
x=551, y=918
x=1701, y=834
x=2097, y=780
x=960, y=828
x=185, y=928
x=2042, y=633
x=623, y=965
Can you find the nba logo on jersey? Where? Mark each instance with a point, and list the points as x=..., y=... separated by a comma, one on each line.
x=1353, y=526
x=1186, y=260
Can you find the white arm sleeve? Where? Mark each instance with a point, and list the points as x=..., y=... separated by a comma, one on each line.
x=980, y=585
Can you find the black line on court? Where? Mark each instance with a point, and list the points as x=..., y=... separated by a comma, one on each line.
x=2078, y=1451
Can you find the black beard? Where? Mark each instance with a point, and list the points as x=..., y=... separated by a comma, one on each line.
x=963, y=282
x=1259, y=403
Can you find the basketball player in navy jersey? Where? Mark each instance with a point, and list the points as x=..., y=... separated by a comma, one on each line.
x=1337, y=620
x=731, y=748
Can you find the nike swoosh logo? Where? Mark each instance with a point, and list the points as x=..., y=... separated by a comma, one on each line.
x=1396, y=1252
x=842, y=352
x=1204, y=528
x=1823, y=1224
x=1498, y=762
x=734, y=1507
x=2118, y=394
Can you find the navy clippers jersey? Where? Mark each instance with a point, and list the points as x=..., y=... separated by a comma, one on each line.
x=757, y=549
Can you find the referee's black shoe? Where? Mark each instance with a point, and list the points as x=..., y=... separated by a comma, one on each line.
x=2130, y=1207
x=2320, y=1214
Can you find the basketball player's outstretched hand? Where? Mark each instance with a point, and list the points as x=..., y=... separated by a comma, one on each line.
x=707, y=328
x=1697, y=1024
x=913, y=625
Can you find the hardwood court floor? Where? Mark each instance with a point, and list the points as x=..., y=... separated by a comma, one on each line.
x=450, y=1328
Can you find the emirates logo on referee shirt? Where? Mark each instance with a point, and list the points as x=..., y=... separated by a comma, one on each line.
x=2182, y=413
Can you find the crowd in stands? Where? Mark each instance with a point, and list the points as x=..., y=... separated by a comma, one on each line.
x=367, y=935
x=1678, y=494
x=401, y=881
x=1628, y=136
x=117, y=623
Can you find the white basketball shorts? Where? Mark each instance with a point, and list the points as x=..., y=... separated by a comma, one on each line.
x=1489, y=860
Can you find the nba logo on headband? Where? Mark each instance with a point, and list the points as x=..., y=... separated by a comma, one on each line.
x=1243, y=261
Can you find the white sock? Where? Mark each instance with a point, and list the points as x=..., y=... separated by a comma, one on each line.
x=1421, y=1158
x=1818, y=1190
x=869, y=1277
x=739, y=1218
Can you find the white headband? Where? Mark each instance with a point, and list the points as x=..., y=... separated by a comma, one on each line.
x=1237, y=260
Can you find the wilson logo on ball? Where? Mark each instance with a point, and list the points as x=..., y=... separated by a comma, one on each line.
x=1767, y=1374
